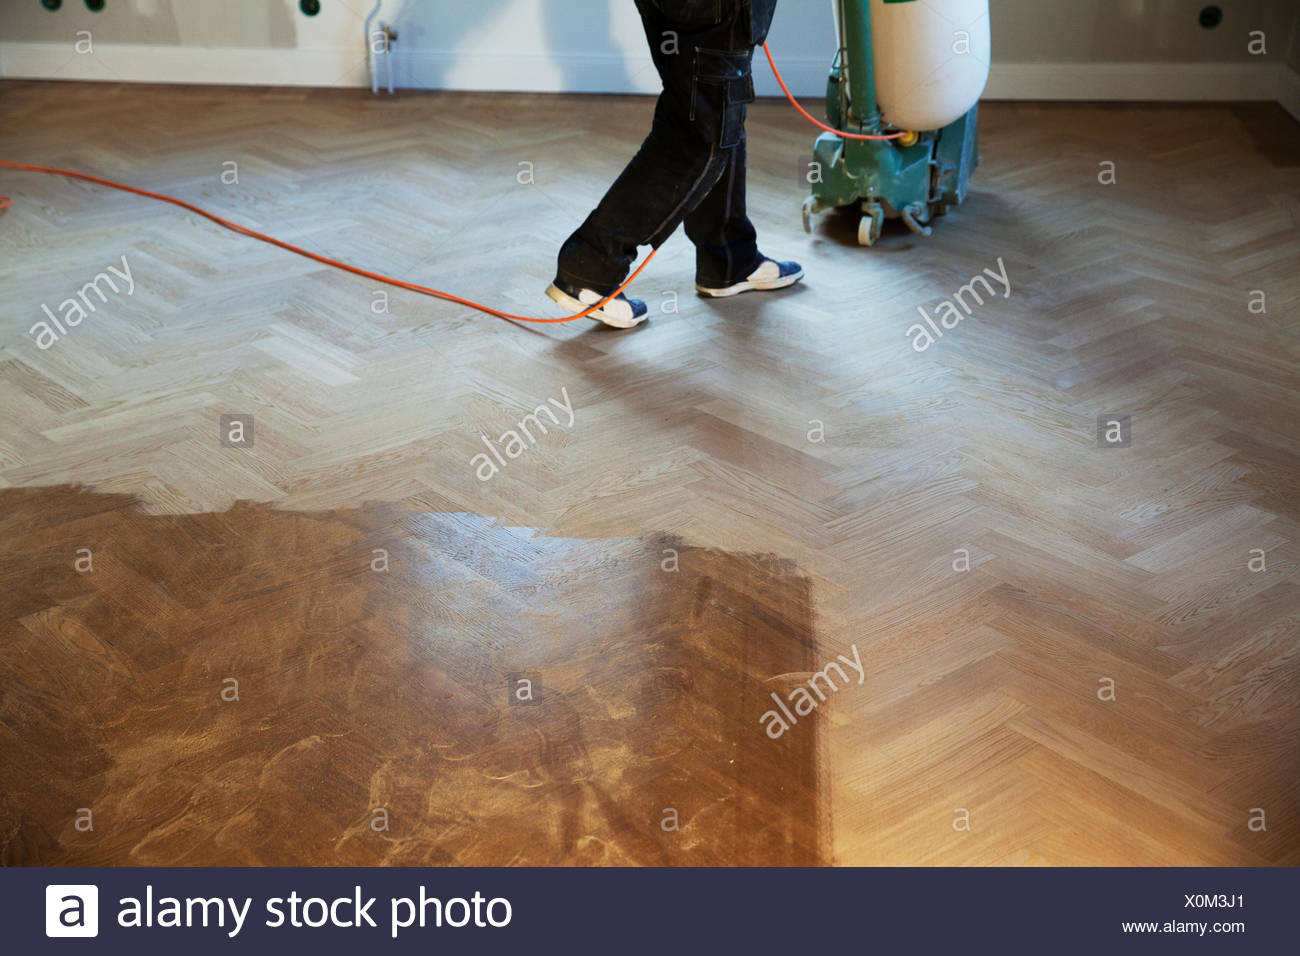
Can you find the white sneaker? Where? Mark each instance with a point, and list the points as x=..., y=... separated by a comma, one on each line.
x=770, y=275
x=620, y=311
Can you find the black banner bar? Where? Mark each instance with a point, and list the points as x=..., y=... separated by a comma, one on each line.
x=210, y=910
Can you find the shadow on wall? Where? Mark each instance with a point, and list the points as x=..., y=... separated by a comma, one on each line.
x=241, y=23
x=1141, y=31
x=572, y=36
x=578, y=45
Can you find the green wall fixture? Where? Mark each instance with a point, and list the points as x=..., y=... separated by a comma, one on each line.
x=309, y=7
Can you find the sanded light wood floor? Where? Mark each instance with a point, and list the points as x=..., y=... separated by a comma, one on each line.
x=1072, y=654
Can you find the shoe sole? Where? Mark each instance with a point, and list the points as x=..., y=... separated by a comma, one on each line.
x=562, y=298
x=760, y=285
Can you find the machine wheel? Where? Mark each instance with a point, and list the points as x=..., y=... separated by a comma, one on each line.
x=870, y=225
x=915, y=216
x=809, y=205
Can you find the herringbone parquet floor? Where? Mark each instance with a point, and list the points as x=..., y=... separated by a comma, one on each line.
x=1072, y=654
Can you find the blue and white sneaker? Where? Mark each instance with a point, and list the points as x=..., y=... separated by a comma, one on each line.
x=770, y=275
x=620, y=311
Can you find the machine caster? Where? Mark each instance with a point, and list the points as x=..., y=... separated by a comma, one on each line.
x=915, y=217
x=809, y=207
x=870, y=225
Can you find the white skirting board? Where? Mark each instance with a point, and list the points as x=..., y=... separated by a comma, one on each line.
x=609, y=73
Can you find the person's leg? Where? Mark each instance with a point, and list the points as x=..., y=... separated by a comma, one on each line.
x=703, y=59
x=726, y=245
x=666, y=177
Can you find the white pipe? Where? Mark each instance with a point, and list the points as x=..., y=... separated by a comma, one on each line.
x=370, y=50
x=388, y=56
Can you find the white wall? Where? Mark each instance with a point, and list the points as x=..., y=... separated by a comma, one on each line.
x=1122, y=49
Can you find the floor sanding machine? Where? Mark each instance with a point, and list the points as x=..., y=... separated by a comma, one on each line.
x=903, y=92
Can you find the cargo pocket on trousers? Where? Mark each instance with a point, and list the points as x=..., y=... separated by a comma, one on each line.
x=722, y=83
x=692, y=14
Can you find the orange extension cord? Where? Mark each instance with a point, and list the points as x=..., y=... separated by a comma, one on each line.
x=810, y=118
x=5, y=202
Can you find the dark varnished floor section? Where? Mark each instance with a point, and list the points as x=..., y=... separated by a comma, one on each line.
x=365, y=693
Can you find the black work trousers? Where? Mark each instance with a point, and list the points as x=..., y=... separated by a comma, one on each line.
x=691, y=168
